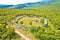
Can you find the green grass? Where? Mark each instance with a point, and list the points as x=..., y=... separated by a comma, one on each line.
x=30, y=21
x=52, y=12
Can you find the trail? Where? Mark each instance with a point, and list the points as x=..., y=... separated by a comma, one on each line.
x=23, y=36
x=19, y=32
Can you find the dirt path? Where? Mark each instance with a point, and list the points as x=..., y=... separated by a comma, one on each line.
x=19, y=32
x=23, y=36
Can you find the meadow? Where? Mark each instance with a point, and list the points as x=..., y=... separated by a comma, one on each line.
x=49, y=32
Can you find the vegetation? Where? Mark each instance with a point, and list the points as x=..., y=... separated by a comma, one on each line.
x=44, y=33
x=51, y=12
x=8, y=33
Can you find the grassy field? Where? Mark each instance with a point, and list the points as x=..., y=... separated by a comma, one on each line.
x=50, y=32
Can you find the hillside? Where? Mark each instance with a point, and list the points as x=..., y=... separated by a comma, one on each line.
x=38, y=22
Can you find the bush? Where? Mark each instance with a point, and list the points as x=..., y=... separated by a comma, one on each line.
x=21, y=22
